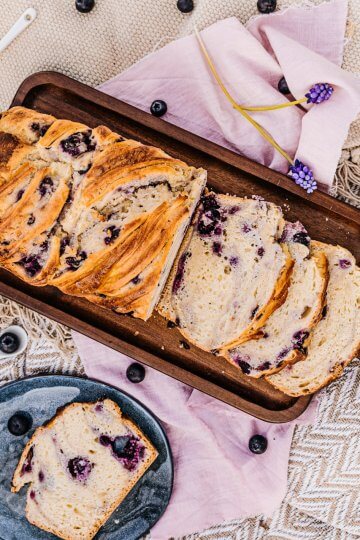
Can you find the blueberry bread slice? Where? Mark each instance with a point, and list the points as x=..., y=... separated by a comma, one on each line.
x=284, y=338
x=25, y=124
x=125, y=225
x=80, y=467
x=231, y=273
x=335, y=341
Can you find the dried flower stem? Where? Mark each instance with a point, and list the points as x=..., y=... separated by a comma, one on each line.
x=275, y=107
x=242, y=110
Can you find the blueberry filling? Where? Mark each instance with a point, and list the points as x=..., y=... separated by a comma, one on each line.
x=209, y=216
x=324, y=312
x=112, y=233
x=217, y=248
x=135, y=280
x=234, y=209
x=126, y=448
x=246, y=228
x=344, y=263
x=64, y=242
x=282, y=354
x=171, y=324
x=302, y=238
x=32, y=494
x=31, y=265
x=75, y=262
x=298, y=340
x=180, y=272
x=41, y=476
x=263, y=366
x=44, y=246
x=80, y=468
x=218, y=230
x=234, y=261
x=77, y=144
x=27, y=465
x=45, y=185
x=41, y=130
x=19, y=195
x=254, y=311
x=261, y=251
x=244, y=366
x=184, y=345
x=84, y=171
x=31, y=220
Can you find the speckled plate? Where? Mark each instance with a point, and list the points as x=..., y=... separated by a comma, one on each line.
x=41, y=396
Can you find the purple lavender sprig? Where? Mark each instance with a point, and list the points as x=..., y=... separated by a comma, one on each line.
x=319, y=92
x=303, y=176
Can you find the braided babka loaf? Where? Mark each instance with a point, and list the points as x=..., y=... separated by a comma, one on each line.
x=90, y=212
x=80, y=467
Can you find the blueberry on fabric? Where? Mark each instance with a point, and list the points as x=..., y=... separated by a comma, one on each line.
x=258, y=444
x=9, y=343
x=266, y=6
x=319, y=92
x=283, y=86
x=19, y=423
x=303, y=176
x=158, y=108
x=84, y=6
x=185, y=6
x=135, y=373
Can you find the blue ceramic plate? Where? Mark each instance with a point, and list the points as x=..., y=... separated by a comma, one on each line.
x=41, y=396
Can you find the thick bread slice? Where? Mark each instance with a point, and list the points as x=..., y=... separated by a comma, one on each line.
x=335, y=341
x=283, y=340
x=231, y=272
x=76, y=478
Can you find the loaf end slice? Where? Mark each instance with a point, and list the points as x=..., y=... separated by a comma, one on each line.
x=335, y=340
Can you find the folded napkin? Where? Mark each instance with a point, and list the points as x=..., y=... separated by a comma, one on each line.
x=217, y=478
x=251, y=61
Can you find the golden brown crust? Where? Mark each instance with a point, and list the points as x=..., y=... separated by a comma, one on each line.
x=25, y=124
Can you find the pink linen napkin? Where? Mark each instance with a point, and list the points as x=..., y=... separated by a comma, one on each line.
x=251, y=62
x=216, y=476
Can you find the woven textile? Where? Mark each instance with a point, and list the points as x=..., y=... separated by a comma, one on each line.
x=323, y=498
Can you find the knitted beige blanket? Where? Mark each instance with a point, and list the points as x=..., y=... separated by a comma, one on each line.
x=323, y=498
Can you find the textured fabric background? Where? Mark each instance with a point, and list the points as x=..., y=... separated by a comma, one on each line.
x=323, y=500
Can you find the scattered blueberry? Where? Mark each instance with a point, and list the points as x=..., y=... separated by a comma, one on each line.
x=136, y=280
x=171, y=324
x=158, y=108
x=80, y=468
x=185, y=6
x=45, y=185
x=180, y=272
x=27, y=465
x=19, y=195
x=234, y=261
x=9, y=343
x=324, y=312
x=84, y=6
x=19, y=423
x=217, y=248
x=31, y=219
x=185, y=345
x=243, y=365
x=78, y=143
x=112, y=233
x=266, y=6
x=135, y=373
x=258, y=444
x=263, y=366
x=75, y=262
x=105, y=440
x=32, y=494
x=283, y=86
x=41, y=476
x=261, y=251
x=41, y=130
x=64, y=242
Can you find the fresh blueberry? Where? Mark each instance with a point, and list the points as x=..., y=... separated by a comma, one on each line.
x=244, y=366
x=119, y=445
x=185, y=6
x=135, y=373
x=258, y=444
x=283, y=86
x=158, y=107
x=266, y=6
x=9, y=343
x=84, y=6
x=19, y=423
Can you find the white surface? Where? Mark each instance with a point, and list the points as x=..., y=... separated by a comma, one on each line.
x=21, y=24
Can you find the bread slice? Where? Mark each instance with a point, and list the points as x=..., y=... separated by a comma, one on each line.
x=335, y=340
x=231, y=272
x=283, y=340
x=80, y=467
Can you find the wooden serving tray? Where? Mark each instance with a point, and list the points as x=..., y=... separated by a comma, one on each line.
x=151, y=342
